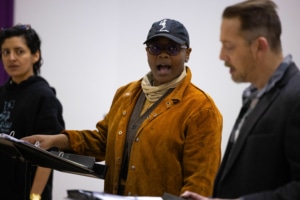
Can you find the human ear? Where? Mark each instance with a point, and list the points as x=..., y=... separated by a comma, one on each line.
x=259, y=47
x=262, y=44
x=36, y=56
x=187, y=54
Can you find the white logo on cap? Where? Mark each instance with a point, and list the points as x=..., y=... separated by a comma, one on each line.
x=163, y=24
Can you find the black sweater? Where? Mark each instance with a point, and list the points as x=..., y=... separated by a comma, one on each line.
x=28, y=108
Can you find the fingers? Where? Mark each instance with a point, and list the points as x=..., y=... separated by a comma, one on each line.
x=31, y=139
x=188, y=195
x=192, y=196
x=36, y=140
x=60, y=141
x=185, y=194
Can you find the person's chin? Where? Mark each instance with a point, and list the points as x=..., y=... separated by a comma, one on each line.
x=236, y=80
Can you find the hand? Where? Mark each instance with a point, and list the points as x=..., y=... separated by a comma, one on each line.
x=60, y=141
x=194, y=196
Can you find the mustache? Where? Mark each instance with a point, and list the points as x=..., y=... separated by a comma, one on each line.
x=227, y=64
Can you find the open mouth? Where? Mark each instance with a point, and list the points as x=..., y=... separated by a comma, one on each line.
x=163, y=68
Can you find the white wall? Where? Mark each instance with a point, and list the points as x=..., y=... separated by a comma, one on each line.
x=91, y=47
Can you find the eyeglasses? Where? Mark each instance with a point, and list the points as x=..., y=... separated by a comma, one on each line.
x=172, y=49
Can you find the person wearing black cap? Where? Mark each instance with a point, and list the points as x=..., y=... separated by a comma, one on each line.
x=162, y=133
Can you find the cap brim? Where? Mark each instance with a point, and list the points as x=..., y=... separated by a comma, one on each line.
x=171, y=37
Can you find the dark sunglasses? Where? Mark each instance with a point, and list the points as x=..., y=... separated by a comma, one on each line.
x=172, y=49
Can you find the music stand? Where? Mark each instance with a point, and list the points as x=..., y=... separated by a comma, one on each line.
x=24, y=151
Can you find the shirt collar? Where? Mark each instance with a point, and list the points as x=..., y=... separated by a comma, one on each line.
x=252, y=92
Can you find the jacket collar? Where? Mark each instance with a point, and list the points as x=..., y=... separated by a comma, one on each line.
x=233, y=150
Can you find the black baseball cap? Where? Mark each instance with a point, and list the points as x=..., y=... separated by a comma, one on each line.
x=171, y=29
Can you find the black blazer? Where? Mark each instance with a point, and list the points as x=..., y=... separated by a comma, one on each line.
x=264, y=162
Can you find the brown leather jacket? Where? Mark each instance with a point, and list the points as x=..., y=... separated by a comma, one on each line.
x=177, y=148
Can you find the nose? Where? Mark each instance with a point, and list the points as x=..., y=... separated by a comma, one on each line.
x=12, y=56
x=222, y=55
x=163, y=54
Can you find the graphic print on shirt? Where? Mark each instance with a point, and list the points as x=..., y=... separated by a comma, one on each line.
x=5, y=123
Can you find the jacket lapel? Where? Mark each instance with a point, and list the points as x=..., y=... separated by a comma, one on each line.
x=247, y=127
x=261, y=107
x=233, y=150
x=163, y=106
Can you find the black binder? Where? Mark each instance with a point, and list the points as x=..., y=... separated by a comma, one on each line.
x=64, y=162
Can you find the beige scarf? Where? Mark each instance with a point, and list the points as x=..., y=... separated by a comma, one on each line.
x=153, y=93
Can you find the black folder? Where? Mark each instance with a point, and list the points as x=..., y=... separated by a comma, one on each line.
x=64, y=162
